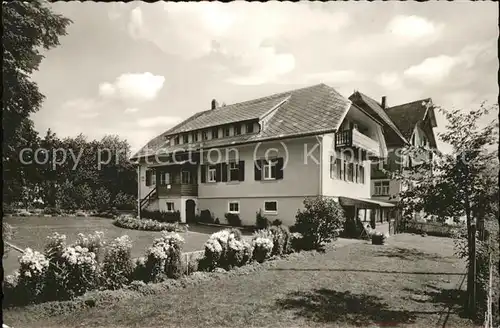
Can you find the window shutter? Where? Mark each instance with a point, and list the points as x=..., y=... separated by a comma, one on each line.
x=258, y=170
x=218, y=169
x=203, y=173
x=279, y=169
x=224, y=172
x=241, y=170
x=148, y=178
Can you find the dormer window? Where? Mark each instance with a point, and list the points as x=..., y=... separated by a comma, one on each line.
x=215, y=133
x=176, y=140
x=249, y=128
x=204, y=135
x=237, y=130
x=227, y=132
x=185, y=138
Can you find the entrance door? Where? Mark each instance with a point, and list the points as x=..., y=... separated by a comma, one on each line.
x=190, y=211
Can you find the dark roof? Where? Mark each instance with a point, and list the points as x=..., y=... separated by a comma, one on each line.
x=407, y=116
x=376, y=110
x=312, y=110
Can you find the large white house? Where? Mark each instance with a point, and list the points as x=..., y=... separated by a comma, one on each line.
x=265, y=154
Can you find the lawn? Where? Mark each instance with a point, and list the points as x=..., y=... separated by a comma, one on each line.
x=411, y=281
x=33, y=231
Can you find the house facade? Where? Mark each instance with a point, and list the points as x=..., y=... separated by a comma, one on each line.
x=266, y=154
x=409, y=124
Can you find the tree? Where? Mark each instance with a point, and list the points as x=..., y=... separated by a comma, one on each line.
x=460, y=183
x=28, y=27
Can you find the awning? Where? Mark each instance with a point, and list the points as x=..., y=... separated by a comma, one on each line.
x=363, y=202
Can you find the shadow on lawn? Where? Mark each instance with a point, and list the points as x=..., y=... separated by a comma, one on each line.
x=409, y=254
x=326, y=305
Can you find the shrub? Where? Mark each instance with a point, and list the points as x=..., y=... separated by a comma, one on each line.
x=125, y=202
x=128, y=222
x=32, y=274
x=117, y=264
x=163, y=258
x=223, y=249
x=278, y=240
x=287, y=236
x=52, y=211
x=277, y=222
x=296, y=241
x=109, y=214
x=101, y=199
x=378, y=238
x=7, y=233
x=161, y=216
x=93, y=242
x=319, y=222
x=262, y=248
x=139, y=270
x=217, y=221
x=206, y=216
x=233, y=219
x=261, y=222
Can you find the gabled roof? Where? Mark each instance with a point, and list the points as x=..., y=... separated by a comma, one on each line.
x=407, y=116
x=376, y=110
x=312, y=110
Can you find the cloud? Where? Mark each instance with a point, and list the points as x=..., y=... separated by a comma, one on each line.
x=434, y=70
x=158, y=121
x=335, y=77
x=191, y=30
x=131, y=110
x=413, y=27
x=390, y=80
x=81, y=104
x=133, y=86
x=88, y=115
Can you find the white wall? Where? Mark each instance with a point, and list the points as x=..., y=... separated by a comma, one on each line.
x=335, y=187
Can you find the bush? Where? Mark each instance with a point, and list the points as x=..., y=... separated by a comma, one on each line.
x=233, y=219
x=125, y=202
x=117, y=264
x=93, y=242
x=128, y=222
x=101, y=199
x=278, y=240
x=206, y=217
x=224, y=249
x=32, y=274
x=163, y=258
x=277, y=222
x=109, y=214
x=161, y=216
x=261, y=222
x=7, y=234
x=52, y=211
x=378, y=238
x=319, y=222
x=262, y=248
x=296, y=241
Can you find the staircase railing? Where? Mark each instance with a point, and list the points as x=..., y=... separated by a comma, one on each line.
x=147, y=199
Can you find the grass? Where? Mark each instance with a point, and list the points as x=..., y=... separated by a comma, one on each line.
x=412, y=280
x=33, y=231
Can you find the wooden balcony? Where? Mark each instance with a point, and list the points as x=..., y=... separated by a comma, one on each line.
x=355, y=139
x=177, y=189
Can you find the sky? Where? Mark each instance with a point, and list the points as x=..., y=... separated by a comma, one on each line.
x=136, y=69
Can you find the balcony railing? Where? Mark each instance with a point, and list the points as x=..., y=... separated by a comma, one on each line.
x=178, y=189
x=354, y=138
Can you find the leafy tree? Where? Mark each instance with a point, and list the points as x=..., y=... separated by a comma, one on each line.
x=28, y=27
x=463, y=183
x=319, y=222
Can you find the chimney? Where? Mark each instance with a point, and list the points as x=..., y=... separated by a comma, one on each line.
x=384, y=102
x=214, y=104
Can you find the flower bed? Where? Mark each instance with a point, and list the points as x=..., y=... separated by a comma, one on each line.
x=129, y=222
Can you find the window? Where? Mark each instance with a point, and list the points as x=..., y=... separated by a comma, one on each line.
x=204, y=135
x=150, y=177
x=185, y=177
x=356, y=173
x=249, y=128
x=233, y=171
x=185, y=138
x=176, y=140
x=215, y=133
x=350, y=172
x=227, y=132
x=333, y=169
x=211, y=173
x=361, y=174
x=195, y=137
x=164, y=178
x=237, y=130
x=269, y=168
x=271, y=207
x=234, y=207
x=381, y=188
x=170, y=206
